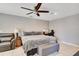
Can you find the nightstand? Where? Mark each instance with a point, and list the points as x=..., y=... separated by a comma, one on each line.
x=18, y=42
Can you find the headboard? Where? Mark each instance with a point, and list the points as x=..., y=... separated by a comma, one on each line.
x=31, y=33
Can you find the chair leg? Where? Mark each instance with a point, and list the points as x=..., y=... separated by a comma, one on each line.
x=10, y=47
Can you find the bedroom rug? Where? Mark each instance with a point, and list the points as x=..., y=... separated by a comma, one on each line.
x=76, y=54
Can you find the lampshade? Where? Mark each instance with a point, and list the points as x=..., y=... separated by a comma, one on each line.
x=44, y=30
x=16, y=30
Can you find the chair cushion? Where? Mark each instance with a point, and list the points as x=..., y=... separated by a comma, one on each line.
x=5, y=39
x=5, y=43
x=5, y=46
x=6, y=34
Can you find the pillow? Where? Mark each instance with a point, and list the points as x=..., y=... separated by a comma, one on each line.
x=5, y=39
x=31, y=33
x=36, y=33
x=27, y=33
x=6, y=34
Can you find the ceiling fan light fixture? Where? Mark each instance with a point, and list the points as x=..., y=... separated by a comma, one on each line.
x=55, y=13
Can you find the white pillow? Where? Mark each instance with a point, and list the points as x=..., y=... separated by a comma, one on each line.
x=5, y=38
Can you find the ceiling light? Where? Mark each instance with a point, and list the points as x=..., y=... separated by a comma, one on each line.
x=55, y=13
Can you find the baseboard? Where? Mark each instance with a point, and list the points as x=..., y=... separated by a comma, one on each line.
x=71, y=44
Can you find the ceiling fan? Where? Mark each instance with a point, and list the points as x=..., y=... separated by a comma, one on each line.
x=36, y=10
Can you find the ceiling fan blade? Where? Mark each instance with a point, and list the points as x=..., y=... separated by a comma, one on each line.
x=27, y=8
x=38, y=6
x=42, y=11
x=29, y=13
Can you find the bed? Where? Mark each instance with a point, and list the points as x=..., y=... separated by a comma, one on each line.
x=33, y=41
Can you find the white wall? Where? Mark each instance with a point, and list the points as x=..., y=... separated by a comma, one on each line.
x=66, y=29
x=8, y=23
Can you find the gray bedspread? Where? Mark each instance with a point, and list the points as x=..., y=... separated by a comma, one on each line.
x=30, y=42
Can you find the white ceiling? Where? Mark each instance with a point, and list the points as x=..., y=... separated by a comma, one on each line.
x=61, y=10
